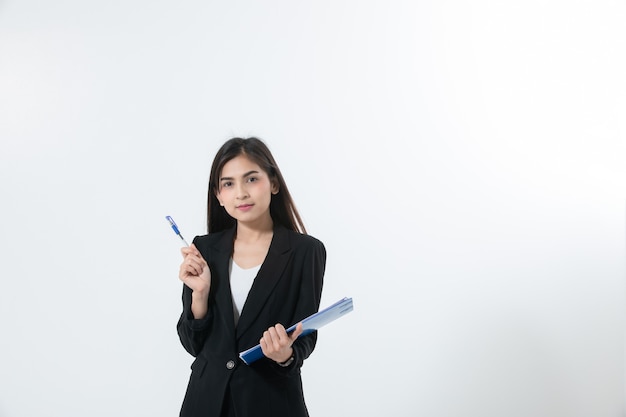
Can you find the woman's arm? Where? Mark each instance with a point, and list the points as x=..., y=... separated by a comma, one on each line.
x=191, y=331
x=278, y=345
x=194, y=321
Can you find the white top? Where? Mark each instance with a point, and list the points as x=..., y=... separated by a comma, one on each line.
x=241, y=281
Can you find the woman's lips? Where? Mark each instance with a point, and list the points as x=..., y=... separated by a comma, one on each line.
x=245, y=207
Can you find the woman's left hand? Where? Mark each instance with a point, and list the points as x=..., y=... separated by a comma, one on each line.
x=276, y=343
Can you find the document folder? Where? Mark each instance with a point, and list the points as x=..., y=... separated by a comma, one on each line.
x=309, y=325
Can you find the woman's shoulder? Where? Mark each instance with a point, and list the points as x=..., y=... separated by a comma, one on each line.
x=213, y=238
x=298, y=239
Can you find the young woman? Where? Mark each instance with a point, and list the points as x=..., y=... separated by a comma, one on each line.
x=254, y=273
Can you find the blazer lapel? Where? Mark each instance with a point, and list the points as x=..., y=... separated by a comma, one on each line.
x=223, y=295
x=270, y=273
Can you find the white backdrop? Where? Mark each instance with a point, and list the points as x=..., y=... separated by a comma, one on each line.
x=462, y=161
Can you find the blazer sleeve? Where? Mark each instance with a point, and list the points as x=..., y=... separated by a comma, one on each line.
x=310, y=295
x=193, y=332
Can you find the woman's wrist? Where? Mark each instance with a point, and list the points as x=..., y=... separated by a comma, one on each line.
x=289, y=360
x=199, y=304
x=200, y=295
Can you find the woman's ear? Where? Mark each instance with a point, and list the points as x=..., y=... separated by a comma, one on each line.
x=275, y=187
x=216, y=191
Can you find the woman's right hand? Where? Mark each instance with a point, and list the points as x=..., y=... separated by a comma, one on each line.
x=194, y=271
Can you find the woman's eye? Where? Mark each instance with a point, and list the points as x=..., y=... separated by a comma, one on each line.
x=226, y=184
x=252, y=179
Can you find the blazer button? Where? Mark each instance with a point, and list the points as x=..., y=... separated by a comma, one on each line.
x=230, y=364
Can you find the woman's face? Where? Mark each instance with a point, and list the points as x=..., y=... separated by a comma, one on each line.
x=245, y=191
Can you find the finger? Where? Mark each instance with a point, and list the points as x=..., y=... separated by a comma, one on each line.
x=195, y=250
x=267, y=345
x=185, y=275
x=274, y=338
x=197, y=260
x=191, y=251
x=191, y=266
x=196, y=267
x=202, y=262
x=296, y=333
x=285, y=338
x=281, y=332
x=187, y=266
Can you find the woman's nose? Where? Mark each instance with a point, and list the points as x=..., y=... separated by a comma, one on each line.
x=241, y=191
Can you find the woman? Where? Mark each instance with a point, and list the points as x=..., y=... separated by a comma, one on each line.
x=255, y=272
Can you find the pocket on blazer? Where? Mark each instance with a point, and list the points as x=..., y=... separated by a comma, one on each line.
x=197, y=367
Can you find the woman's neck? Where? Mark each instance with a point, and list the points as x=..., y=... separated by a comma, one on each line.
x=251, y=244
x=254, y=232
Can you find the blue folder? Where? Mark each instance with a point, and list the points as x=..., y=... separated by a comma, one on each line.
x=309, y=325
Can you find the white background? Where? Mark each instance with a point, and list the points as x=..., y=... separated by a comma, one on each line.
x=463, y=162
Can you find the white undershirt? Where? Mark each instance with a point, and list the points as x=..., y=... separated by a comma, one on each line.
x=240, y=283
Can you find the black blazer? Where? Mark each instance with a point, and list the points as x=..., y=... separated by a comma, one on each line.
x=287, y=289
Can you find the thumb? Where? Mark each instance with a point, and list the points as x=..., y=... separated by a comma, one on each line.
x=296, y=333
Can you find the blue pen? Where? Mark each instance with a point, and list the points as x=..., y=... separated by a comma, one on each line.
x=175, y=229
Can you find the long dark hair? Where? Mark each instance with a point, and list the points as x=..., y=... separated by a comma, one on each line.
x=282, y=208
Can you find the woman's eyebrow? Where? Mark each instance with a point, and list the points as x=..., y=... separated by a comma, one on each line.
x=243, y=176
